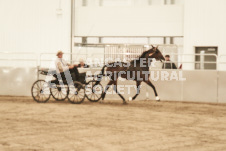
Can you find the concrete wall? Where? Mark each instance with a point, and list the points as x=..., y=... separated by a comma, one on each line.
x=171, y=85
x=221, y=86
x=17, y=81
x=190, y=86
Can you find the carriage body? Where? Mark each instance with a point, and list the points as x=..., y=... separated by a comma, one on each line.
x=60, y=89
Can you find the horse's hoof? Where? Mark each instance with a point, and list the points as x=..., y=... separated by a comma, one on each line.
x=130, y=99
x=125, y=103
x=157, y=98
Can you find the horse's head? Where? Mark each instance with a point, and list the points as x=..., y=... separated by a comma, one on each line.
x=154, y=52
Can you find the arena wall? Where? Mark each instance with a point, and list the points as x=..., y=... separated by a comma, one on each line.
x=195, y=86
x=17, y=81
x=221, y=86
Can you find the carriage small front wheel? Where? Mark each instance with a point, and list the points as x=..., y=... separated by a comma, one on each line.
x=76, y=94
x=40, y=91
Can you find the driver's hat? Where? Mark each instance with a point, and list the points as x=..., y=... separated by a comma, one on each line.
x=59, y=52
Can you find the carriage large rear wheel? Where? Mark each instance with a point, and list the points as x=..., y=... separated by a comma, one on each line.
x=59, y=92
x=76, y=93
x=40, y=91
x=93, y=91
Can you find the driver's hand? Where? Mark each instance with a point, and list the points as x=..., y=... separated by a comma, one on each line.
x=71, y=66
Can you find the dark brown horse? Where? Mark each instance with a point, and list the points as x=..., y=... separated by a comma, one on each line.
x=137, y=70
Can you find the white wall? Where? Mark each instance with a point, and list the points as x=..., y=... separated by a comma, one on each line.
x=17, y=81
x=158, y=20
x=204, y=25
x=127, y=2
x=196, y=88
x=33, y=25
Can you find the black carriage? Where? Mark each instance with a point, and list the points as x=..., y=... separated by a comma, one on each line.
x=60, y=90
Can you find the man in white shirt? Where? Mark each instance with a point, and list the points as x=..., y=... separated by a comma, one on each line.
x=62, y=66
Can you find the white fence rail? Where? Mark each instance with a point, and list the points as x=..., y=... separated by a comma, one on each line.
x=28, y=59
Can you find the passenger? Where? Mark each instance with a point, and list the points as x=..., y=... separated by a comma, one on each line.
x=63, y=67
x=82, y=64
x=168, y=64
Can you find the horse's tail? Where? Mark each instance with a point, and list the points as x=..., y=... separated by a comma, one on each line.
x=100, y=76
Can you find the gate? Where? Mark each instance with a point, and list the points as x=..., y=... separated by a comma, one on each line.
x=122, y=52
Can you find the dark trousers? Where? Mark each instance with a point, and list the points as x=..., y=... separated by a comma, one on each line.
x=73, y=73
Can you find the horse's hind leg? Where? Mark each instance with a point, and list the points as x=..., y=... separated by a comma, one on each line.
x=115, y=88
x=138, y=90
x=153, y=87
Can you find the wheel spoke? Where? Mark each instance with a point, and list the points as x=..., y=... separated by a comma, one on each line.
x=96, y=91
x=76, y=93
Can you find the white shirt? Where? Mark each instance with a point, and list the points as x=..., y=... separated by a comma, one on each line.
x=61, y=65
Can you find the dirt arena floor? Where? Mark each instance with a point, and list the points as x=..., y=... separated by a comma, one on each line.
x=111, y=126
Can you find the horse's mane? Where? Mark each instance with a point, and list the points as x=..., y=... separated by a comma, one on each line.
x=141, y=56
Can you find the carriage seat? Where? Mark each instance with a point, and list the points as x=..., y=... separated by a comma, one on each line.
x=46, y=71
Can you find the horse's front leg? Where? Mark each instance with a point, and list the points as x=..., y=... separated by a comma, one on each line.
x=153, y=87
x=138, y=90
